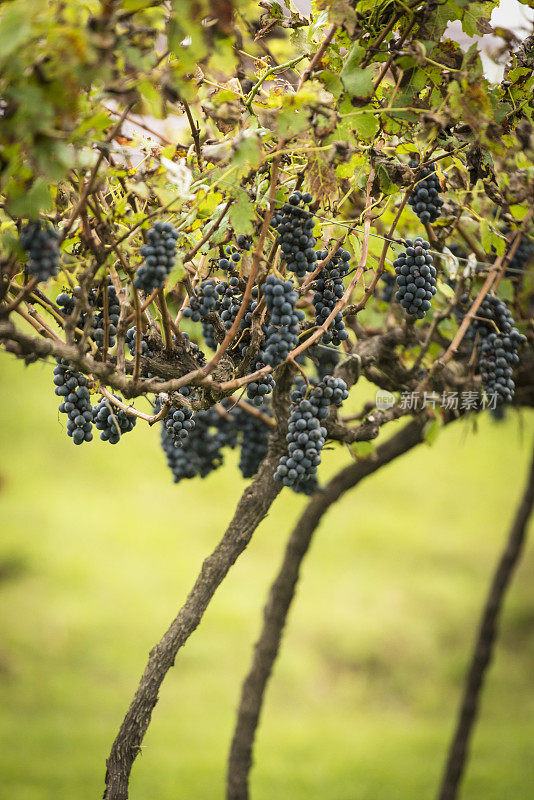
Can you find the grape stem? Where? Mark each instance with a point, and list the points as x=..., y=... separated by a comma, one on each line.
x=317, y=56
x=166, y=321
x=129, y=409
x=267, y=74
x=195, y=131
x=88, y=186
x=26, y=290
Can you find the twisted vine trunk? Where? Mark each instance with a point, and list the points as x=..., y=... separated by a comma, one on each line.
x=485, y=644
x=251, y=509
x=281, y=596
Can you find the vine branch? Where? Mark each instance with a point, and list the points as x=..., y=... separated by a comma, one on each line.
x=485, y=645
x=281, y=596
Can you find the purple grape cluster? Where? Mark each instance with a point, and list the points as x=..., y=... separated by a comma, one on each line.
x=281, y=333
x=97, y=298
x=179, y=423
x=204, y=301
x=498, y=349
x=230, y=260
x=416, y=278
x=329, y=288
x=72, y=387
x=67, y=300
x=159, y=254
x=201, y=451
x=425, y=199
x=306, y=436
x=112, y=422
x=520, y=259
x=254, y=436
x=294, y=224
x=40, y=241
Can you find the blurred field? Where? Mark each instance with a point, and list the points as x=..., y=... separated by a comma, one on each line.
x=99, y=549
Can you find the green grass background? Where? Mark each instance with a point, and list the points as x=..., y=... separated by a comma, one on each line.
x=102, y=548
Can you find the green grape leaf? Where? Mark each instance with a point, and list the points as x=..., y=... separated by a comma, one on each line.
x=242, y=214
x=358, y=82
x=30, y=203
x=366, y=125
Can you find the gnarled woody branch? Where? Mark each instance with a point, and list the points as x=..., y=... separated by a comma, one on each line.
x=251, y=509
x=281, y=596
x=485, y=644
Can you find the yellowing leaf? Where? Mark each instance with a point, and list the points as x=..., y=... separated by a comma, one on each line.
x=365, y=125
x=242, y=214
x=321, y=177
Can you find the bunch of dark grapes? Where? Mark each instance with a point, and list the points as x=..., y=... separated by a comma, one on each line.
x=179, y=423
x=254, y=435
x=208, y=334
x=204, y=301
x=416, y=278
x=114, y=310
x=205, y=442
x=425, y=199
x=226, y=424
x=243, y=242
x=159, y=255
x=281, y=334
x=498, y=350
x=230, y=260
x=111, y=421
x=306, y=436
x=329, y=288
x=497, y=357
x=229, y=302
x=67, y=301
x=258, y=390
x=386, y=289
x=131, y=336
x=72, y=387
x=325, y=358
x=520, y=259
x=201, y=452
x=294, y=224
x=40, y=241
x=178, y=459
x=492, y=315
